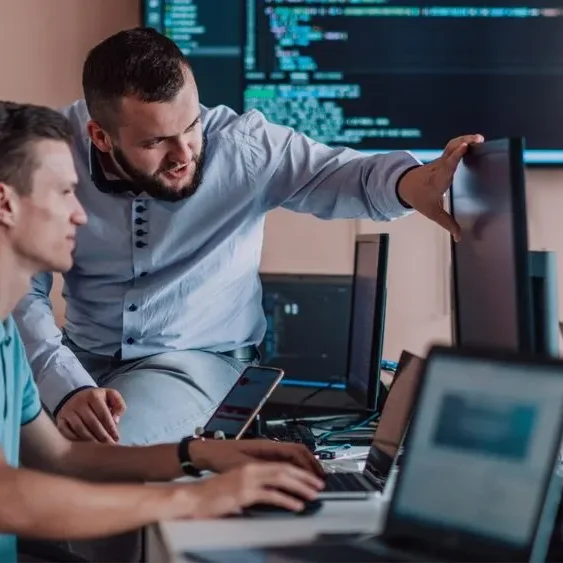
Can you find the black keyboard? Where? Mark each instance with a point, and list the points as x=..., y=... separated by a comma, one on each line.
x=348, y=482
x=296, y=433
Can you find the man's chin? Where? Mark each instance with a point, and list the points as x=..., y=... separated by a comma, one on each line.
x=59, y=266
x=172, y=191
x=175, y=184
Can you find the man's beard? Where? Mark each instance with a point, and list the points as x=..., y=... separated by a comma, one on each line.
x=152, y=186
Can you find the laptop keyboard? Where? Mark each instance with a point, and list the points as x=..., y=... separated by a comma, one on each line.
x=347, y=482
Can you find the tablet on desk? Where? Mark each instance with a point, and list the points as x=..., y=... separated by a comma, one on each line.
x=244, y=401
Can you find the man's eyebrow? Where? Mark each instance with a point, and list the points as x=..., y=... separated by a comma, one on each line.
x=161, y=138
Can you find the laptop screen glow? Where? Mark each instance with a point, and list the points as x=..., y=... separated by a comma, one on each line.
x=480, y=448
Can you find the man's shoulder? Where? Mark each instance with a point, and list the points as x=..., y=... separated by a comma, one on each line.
x=13, y=341
x=222, y=120
x=78, y=115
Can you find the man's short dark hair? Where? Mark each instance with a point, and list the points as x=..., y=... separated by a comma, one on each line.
x=21, y=126
x=137, y=62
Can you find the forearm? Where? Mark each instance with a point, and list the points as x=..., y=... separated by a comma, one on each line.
x=37, y=505
x=101, y=462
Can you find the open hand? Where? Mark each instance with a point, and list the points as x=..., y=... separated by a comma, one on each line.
x=423, y=188
x=92, y=415
x=222, y=455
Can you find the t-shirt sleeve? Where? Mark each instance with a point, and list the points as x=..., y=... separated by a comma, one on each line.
x=31, y=403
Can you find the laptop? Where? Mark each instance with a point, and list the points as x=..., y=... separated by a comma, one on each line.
x=386, y=440
x=477, y=479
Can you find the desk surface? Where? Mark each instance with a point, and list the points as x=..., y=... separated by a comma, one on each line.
x=167, y=541
x=170, y=539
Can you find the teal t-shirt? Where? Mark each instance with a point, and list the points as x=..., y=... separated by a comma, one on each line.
x=19, y=405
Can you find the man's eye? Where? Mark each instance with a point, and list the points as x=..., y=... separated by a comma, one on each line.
x=152, y=144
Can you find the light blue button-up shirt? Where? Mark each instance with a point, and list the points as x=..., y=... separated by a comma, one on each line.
x=152, y=276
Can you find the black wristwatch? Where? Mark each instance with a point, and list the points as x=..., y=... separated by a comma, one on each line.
x=184, y=456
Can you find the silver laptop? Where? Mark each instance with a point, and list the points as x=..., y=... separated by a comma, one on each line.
x=387, y=438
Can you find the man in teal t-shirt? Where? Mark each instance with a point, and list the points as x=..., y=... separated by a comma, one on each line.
x=19, y=400
x=51, y=495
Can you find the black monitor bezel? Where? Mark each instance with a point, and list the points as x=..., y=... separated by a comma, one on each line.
x=439, y=537
x=369, y=400
x=515, y=148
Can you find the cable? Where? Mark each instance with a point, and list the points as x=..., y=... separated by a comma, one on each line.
x=358, y=426
x=387, y=365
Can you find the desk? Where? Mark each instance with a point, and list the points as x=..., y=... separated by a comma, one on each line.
x=168, y=540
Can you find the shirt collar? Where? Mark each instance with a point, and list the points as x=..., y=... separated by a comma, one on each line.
x=101, y=181
x=6, y=331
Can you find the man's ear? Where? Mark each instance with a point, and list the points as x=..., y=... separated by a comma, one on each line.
x=98, y=136
x=9, y=206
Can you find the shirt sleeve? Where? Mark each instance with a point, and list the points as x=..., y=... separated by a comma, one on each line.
x=58, y=372
x=31, y=403
x=291, y=170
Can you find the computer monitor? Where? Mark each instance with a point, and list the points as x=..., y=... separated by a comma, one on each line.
x=307, y=327
x=367, y=323
x=343, y=72
x=491, y=281
x=545, y=310
x=211, y=34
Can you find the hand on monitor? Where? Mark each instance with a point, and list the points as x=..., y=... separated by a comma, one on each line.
x=423, y=188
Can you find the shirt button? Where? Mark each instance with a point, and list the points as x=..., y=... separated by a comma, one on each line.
x=140, y=244
x=140, y=209
x=143, y=274
x=140, y=232
x=133, y=308
x=130, y=340
x=139, y=221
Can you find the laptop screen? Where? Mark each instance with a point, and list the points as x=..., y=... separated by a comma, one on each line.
x=398, y=405
x=480, y=450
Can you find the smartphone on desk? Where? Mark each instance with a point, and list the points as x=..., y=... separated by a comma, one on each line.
x=244, y=401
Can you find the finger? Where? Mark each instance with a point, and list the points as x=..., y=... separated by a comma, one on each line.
x=446, y=221
x=464, y=140
x=94, y=425
x=79, y=428
x=104, y=417
x=67, y=431
x=454, y=158
x=305, y=459
x=295, y=453
x=116, y=402
x=291, y=479
x=300, y=456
